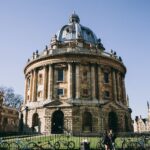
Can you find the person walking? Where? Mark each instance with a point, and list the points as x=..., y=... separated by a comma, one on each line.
x=109, y=140
x=112, y=137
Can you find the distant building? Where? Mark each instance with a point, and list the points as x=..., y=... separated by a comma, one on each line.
x=142, y=124
x=74, y=85
x=9, y=118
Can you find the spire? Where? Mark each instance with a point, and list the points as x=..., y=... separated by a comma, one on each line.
x=127, y=100
x=148, y=105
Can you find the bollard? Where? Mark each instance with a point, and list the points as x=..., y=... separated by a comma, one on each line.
x=85, y=145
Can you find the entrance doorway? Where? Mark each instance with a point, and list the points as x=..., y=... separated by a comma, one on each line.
x=113, y=121
x=87, y=122
x=57, y=125
x=35, y=122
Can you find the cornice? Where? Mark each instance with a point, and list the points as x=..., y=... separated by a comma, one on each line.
x=76, y=58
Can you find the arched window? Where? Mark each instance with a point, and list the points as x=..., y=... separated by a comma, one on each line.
x=87, y=122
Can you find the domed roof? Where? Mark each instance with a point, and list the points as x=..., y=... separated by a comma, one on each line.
x=74, y=30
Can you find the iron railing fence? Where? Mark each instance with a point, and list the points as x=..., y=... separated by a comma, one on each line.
x=35, y=141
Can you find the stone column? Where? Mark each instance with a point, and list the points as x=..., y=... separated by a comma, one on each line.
x=34, y=92
x=77, y=81
x=96, y=83
x=93, y=89
x=99, y=82
x=26, y=89
x=50, y=82
x=124, y=90
x=118, y=85
x=70, y=81
x=121, y=88
x=31, y=85
x=45, y=82
x=114, y=84
x=73, y=80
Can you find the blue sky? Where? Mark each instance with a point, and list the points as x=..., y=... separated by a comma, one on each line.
x=122, y=25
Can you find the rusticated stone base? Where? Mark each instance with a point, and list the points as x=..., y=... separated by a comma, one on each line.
x=81, y=118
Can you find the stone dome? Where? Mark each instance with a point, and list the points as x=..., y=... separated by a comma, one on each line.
x=75, y=31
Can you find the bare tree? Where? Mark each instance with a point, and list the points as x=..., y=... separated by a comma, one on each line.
x=10, y=98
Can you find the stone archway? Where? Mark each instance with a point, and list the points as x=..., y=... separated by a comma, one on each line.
x=57, y=122
x=87, y=122
x=35, y=122
x=113, y=121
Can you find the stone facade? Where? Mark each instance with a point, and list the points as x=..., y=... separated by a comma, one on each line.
x=9, y=118
x=76, y=82
x=142, y=124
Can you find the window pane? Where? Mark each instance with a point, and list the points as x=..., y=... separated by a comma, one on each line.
x=60, y=92
x=106, y=94
x=60, y=75
x=106, y=77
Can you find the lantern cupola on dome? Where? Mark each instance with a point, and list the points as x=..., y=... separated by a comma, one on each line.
x=74, y=31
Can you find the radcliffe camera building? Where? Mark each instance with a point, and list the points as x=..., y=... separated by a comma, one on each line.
x=75, y=86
